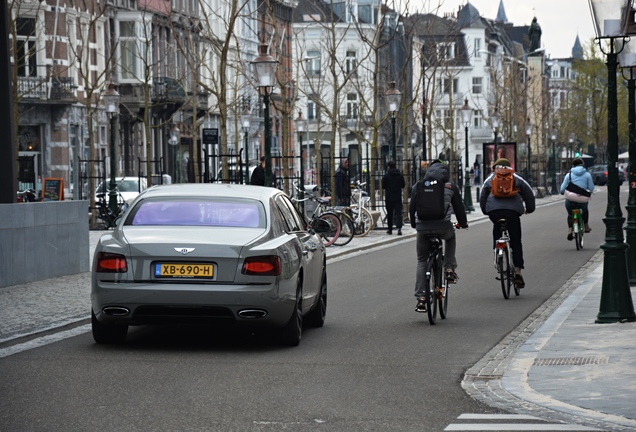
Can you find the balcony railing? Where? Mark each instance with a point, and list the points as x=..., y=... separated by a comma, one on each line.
x=61, y=88
x=168, y=89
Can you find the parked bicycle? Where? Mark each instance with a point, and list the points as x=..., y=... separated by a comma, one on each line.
x=578, y=226
x=346, y=223
x=503, y=261
x=330, y=236
x=104, y=212
x=359, y=210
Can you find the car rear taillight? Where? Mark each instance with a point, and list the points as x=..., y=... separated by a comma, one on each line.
x=111, y=263
x=262, y=266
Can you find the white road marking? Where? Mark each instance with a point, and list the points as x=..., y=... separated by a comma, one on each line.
x=44, y=340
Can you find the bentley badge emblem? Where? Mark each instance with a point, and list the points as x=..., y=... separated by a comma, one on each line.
x=184, y=251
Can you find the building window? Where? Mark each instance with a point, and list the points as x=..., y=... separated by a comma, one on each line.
x=477, y=48
x=477, y=85
x=446, y=51
x=133, y=46
x=26, y=48
x=313, y=110
x=449, y=85
x=312, y=63
x=352, y=106
x=351, y=62
x=477, y=119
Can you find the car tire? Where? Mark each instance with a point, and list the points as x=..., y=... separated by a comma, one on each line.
x=107, y=334
x=291, y=334
x=316, y=318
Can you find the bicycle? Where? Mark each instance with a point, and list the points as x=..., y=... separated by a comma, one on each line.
x=359, y=210
x=346, y=224
x=436, y=283
x=329, y=237
x=104, y=213
x=503, y=261
x=578, y=226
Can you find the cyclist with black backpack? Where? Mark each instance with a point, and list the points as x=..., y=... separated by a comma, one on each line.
x=506, y=195
x=430, y=213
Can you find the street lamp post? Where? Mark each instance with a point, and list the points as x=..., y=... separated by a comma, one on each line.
x=553, y=136
x=265, y=70
x=467, y=114
x=529, y=144
x=367, y=137
x=300, y=127
x=413, y=169
x=111, y=100
x=571, y=140
x=616, y=301
x=393, y=96
x=495, y=118
x=628, y=63
x=174, y=141
x=245, y=119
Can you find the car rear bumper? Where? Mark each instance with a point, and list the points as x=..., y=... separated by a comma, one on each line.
x=150, y=303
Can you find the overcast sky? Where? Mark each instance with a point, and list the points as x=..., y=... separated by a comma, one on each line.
x=560, y=20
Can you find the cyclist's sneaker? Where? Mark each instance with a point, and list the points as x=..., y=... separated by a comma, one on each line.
x=570, y=237
x=519, y=282
x=451, y=276
x=421, y=305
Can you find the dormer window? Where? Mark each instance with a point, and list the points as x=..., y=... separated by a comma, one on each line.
x=446, y=50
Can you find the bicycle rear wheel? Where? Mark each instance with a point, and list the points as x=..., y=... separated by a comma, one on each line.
x=431, y=293
x=503, y=266
x=577, y=232
x=347, y=229
x=329, y=237
x=362, y=222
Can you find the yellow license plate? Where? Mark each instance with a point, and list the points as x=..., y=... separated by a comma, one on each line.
x=191, y=270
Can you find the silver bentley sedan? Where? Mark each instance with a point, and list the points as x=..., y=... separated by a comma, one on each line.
x=209, y=253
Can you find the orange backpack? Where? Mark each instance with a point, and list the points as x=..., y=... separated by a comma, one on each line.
x=503, y=183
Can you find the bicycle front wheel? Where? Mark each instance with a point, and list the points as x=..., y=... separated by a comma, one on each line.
x=577, y=230
x=329, y=237
x=442, y=297
x=432, y=277
x=503, y=265
x=362, y=219
x=347, y=229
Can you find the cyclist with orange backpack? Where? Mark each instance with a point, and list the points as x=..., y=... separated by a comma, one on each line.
x=506, y=195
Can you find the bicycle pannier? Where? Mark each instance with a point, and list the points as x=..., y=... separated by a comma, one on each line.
x=576, y=193
x=503, y=183
x=430, y=200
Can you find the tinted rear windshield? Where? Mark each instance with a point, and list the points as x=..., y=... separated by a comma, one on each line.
x=198, y=212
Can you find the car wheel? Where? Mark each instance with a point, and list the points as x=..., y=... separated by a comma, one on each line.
x=292, y=332
x=107, y=334
x=316, y=318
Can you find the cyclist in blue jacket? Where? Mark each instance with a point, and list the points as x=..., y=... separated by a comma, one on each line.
x=580, y=177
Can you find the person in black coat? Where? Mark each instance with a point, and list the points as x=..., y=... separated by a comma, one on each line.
x=343, y=189
x=393, y=183
x=258, y=175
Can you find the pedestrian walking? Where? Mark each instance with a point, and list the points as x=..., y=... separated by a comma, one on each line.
x=393, y=183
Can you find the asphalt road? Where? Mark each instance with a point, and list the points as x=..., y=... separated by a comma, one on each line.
x=376, y=365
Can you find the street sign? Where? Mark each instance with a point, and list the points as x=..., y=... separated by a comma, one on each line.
x=211, y=136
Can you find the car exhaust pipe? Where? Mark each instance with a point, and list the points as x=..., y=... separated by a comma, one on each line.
x=252, y=313
x=116, y=311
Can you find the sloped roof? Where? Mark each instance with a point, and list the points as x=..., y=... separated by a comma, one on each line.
x=469, y=16
x=501, y=13
x=314, y=10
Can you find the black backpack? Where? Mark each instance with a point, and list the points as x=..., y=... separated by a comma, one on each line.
x=430, y=203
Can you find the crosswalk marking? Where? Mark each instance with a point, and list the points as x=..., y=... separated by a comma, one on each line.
x=525, y=423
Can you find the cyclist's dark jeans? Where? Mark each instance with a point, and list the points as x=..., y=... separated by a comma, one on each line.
x=514, y=230
x=569, y=205
x=394, y=208
x=423, y=246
